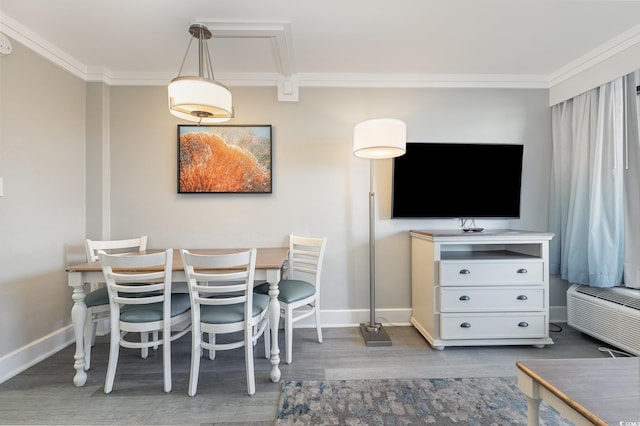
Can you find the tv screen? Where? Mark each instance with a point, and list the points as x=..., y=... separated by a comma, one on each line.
x=457, y=180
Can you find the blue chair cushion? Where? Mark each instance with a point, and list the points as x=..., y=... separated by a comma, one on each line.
x=97, y=298
x=227, y=314
x=180, y=303
x=100, y=297
x=290, y=290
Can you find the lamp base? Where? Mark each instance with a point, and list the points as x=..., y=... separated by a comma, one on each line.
x=374, y=336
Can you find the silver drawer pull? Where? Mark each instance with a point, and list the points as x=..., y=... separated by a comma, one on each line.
x=523, y=324
x=522, y=271
x=464, y=298
x=464, y=272
x=522, y=297
x=465, y=325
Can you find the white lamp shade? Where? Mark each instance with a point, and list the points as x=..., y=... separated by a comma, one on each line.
x=199, y=99
x=380, y=138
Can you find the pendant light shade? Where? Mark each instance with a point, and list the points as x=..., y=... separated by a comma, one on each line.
x=200, y=98
x=380, y=138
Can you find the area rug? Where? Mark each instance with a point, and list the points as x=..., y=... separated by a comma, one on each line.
x=494, y=401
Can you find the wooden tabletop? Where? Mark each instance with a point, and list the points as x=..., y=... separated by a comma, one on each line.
x=266, y=258
x=605, y=391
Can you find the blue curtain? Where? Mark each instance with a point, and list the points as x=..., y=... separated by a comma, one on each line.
x=632, y=182
x=586, y=206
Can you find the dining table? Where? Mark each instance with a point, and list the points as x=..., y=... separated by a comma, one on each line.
x=270, y=262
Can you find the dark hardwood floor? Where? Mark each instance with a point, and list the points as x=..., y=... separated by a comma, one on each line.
x=45, y=394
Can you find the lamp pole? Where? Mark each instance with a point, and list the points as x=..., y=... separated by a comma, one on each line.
x=372, y=245
x=372, y=332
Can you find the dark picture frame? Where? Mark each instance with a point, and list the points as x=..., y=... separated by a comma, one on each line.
x=225, y=159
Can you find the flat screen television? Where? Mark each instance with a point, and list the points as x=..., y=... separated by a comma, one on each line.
x=457, y=180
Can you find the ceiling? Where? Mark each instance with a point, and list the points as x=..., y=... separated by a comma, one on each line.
x=509, y=43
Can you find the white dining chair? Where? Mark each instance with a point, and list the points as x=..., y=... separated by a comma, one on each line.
x=97, y=300
x=141, y=301
x=223, y=302
x=299, y=295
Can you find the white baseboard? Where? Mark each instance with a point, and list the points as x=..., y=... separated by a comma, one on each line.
x=334, y=318
x=19, y=360
x=391, y=317
x=23, y=358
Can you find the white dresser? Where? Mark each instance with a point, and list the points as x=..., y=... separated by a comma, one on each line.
x=480, y=288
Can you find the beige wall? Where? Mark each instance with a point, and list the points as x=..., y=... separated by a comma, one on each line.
x=42, y=212
x=320, y=188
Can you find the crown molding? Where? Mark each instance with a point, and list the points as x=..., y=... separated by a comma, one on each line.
x=354, y=80
x=52, y=53
x=616, y=45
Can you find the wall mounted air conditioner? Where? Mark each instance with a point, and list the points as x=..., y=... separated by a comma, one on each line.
x=608, y=314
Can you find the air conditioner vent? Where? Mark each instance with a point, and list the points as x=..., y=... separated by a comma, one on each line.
x=614, y=295
x=608, y=314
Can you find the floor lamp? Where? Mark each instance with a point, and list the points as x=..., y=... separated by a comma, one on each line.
x=376, y=139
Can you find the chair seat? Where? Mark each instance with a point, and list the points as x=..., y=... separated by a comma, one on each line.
x=100, y=297
x=290, y=290
x=180, y=303
x=228, y=314
x=97, y=298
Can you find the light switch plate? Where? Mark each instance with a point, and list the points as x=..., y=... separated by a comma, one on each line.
x=1, y=188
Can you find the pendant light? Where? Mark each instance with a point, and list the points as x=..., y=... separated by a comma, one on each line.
x=200, y=98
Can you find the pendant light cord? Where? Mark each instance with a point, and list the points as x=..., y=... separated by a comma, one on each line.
x=185, y=56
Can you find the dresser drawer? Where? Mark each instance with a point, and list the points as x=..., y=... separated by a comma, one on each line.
x=474, y=299
x=508, y=272
x=492, y=326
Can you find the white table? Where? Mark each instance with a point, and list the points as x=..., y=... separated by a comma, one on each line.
x=269, y=264
x=587, y=391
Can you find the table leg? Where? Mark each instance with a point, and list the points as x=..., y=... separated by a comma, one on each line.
x=531, y=390
x=78, y=317
x=533, y=411
x=273, y=277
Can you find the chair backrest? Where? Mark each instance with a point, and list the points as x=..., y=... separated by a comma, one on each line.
x=130, y=245
x=220, y=279
x=306, y=255
x=138, y=279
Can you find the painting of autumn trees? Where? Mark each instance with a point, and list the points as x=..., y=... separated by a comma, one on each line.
x=224, y=159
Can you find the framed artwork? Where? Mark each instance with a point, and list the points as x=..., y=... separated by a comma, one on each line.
x=224, y=159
